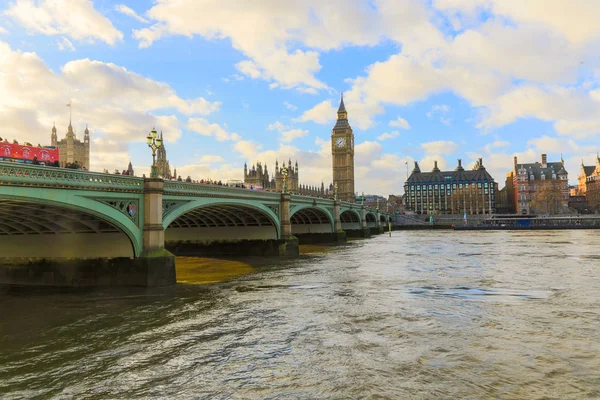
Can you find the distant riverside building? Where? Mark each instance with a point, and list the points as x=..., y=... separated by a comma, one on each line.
x=70, y=149
x=540, y=187
x=588, y=184
x=26, y=153
x=451, y=192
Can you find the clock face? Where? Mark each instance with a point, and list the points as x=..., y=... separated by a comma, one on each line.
x=340, y=142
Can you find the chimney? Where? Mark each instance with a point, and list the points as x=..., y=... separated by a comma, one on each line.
x=544, y=159
x=459, y=163
x=515, y=164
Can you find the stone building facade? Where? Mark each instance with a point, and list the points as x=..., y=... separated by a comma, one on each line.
x=588, y=185
x=451, y=192
x=258, y=175
x=540, y=187
x=71, y=149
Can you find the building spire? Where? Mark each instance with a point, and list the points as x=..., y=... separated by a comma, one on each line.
x=342, y=108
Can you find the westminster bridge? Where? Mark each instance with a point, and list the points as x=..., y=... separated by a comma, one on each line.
x=77, y=228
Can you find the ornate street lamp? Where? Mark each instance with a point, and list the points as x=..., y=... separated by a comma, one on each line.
x=335, y=191
x=362, y=201
x=154, y=142
x=284, y=173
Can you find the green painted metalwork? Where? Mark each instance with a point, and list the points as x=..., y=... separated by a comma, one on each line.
x=81, y=201
x=199, y=202
x=35, y=175
x=112, y=198
x=224, y=192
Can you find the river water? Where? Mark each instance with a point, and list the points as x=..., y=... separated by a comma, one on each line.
x=419, y=315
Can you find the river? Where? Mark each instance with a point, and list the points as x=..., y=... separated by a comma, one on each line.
x=419, y=315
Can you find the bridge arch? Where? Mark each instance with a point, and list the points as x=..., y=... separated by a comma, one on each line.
x=207, y=220
x=371, y=219
x=350, y=219
x=76, y=224
x=311, y=219
x=382, y=218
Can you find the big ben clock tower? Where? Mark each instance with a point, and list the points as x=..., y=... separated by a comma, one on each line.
x=342, y=151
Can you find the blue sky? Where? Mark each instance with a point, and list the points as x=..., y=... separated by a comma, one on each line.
x=236, y=81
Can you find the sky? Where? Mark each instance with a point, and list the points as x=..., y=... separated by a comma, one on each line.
x=229, y=82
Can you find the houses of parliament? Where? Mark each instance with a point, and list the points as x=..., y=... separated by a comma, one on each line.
x=342, y=154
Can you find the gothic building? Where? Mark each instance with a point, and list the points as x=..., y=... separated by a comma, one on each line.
x=258, y=175
x=292, y=176
x=162, y=164
x=540, y=187
x=451, y=192
x=71, y=149
x=342, y=149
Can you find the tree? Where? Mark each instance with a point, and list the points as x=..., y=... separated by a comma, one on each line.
x=547, y=199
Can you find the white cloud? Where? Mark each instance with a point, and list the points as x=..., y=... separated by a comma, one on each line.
x=76, y=19
x=123, y=9
x=118, y=105
x=3, y=31
x=205, y=128
x=440, y=147
x=287, y=133
x=65, y=44
x=388, y=135
x=211, y=159
x=266, y=34
x=399, y=123
x=290, y=106
x=489, y=148
x=323, y=113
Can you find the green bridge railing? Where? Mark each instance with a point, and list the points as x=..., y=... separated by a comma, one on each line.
x=38, y=175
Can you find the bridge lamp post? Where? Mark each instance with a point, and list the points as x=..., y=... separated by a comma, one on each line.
x=284, y=173
x=154, y=143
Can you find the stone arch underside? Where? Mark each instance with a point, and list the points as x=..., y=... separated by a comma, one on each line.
x=371, y=220
x=38, y=230
x=311, y=220
x=221, y=222
x=382, y=219
x=350, y=220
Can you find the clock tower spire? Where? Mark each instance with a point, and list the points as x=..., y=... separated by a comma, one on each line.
x=342, y=149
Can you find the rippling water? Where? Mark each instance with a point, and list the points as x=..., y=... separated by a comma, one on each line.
x=424, y=315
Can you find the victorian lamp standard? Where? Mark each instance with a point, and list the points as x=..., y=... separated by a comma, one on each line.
x=284, y=173
x=154, y=143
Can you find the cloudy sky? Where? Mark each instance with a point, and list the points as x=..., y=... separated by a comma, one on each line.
x=236, y=80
